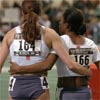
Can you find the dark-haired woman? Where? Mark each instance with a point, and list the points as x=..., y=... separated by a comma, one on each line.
x=71, y=85
x=30, y=43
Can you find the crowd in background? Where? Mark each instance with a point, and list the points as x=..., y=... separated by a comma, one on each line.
x=51, y=16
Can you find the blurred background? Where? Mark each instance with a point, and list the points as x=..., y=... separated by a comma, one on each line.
x=10, y=16
x=52, y=9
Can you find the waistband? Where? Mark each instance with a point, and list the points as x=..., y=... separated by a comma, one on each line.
x=26, y=76
x=72, y=82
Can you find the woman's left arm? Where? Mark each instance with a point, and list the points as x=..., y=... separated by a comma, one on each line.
x=4, y=51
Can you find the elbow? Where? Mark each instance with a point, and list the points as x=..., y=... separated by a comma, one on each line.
x=48, y=68
x=72, y=68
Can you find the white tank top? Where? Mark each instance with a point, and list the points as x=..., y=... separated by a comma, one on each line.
x=84, y=54
x=24, y=53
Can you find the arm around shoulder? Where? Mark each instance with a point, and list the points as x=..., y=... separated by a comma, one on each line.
x=45, y=65
x=59, y=48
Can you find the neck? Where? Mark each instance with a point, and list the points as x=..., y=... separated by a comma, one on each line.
x=76, y=39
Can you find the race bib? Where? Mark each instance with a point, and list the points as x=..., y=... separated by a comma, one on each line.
x=22, y=48
x=82, y=55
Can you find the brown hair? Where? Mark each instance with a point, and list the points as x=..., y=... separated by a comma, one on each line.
x=31, y=9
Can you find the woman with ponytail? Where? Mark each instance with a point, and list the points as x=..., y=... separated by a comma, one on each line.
x=30, y=43
x=26, y=45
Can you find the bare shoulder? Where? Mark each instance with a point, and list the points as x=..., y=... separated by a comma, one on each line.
x=51, y=33
x=49, y=29
x=11, y=32
x=10, y=36
x=51, y=37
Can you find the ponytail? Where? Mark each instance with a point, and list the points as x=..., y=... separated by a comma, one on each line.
x=31, y=10
x=30, y=30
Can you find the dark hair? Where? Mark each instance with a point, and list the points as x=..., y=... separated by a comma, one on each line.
x=31, y=9
x=75, y=20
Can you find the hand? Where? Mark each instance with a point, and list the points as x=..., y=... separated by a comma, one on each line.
x=14, y=68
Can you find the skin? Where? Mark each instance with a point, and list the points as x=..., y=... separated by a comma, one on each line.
x=49, y=62
x=4, y=53
x=53, y=41
x=76, y=39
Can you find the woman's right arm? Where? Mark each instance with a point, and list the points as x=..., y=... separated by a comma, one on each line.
x=45, y=65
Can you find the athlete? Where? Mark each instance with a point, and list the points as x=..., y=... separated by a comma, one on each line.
x=70, y=85
x=30, y=43
x=82, y=50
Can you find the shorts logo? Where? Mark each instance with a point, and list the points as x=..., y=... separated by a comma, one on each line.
x=11, y=83
x=44, y=82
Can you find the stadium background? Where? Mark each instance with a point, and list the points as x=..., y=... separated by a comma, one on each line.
x=52, y=10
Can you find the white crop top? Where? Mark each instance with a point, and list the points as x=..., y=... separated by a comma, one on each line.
x=84, y=54
x=24, y=53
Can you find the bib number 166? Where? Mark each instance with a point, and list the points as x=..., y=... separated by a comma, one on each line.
x=82, y=59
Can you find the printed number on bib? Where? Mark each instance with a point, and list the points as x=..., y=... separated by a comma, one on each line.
x=82, y=55
x=26, y=46
x=82, y=59
x=22, y=48
x=11, y=83
x=44, y=82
